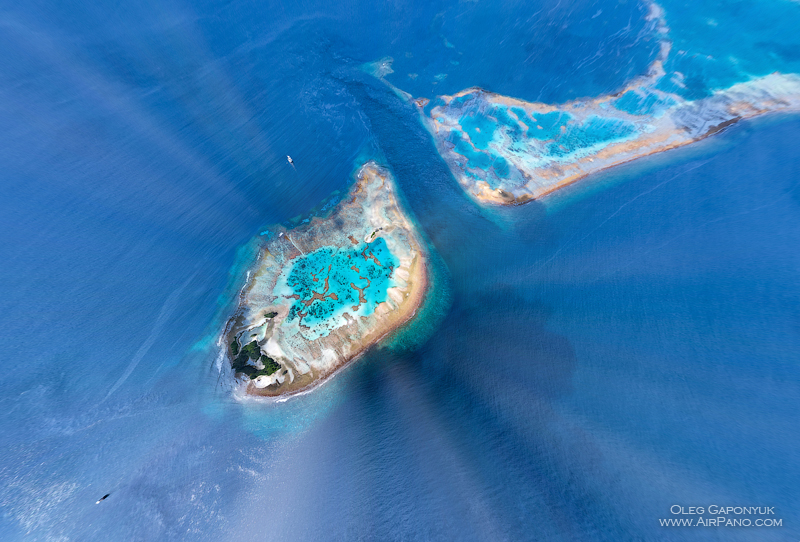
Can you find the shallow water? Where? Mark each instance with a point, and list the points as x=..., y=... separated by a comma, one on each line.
x=336, y=276
x=586, y=362
x=717, y=44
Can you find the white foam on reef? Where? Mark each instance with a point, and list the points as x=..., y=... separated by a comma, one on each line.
x=523, y=167
x=220, y=356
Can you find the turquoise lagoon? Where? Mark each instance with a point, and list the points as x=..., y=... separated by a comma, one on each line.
x=593, y=131
x=543, y=126
x=642, y=101
x=342, y=278
x=487, y=139
x=564, y=133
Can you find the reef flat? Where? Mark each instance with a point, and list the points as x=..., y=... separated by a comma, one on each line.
x=508, y=151
x=323, y=292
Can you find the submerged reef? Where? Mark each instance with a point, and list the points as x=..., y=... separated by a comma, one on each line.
x=324, y=291
x=508, y=151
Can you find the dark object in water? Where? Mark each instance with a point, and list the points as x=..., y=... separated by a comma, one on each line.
x=104, y=497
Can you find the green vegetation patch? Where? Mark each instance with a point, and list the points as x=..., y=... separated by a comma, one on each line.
x=241, y=363
x=270, y=365
x=252, y=350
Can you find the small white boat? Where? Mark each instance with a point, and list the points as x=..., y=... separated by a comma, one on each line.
x=290, y=159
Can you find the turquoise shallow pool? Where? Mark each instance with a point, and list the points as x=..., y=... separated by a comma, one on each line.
x=480, y=129
x=642, y=102
x=330, y=281
x=593, y=131
x=544, y=126
x=558, y=131
x=474, y=159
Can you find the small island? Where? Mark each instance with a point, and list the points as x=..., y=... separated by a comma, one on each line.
x=322, y=292
x=507, y=151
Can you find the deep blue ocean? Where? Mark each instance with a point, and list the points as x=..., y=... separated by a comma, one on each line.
x=582, y=363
